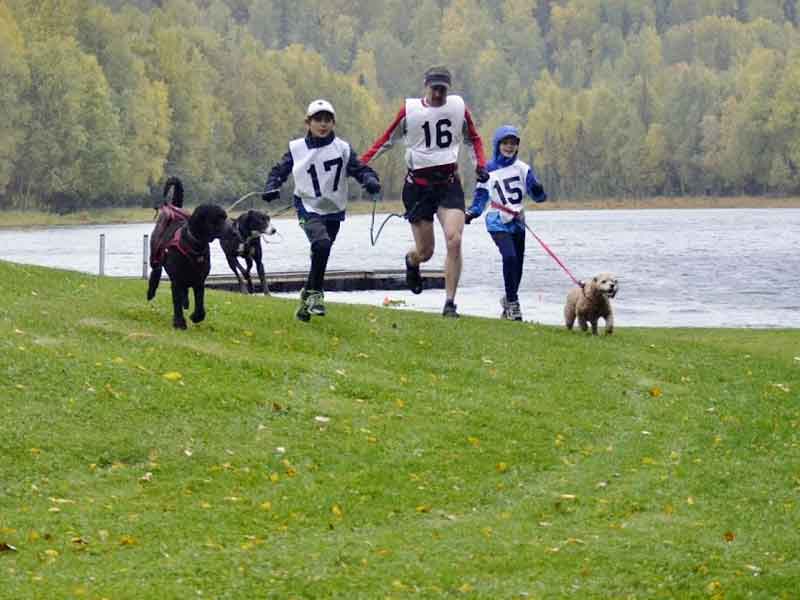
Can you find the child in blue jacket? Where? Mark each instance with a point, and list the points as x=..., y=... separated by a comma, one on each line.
x=509, y=180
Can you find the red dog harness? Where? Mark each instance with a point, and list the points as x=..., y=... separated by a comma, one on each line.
x=167, y=234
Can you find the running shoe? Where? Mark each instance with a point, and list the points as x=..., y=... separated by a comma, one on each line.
x=504, y=306
x=514, y=311
x=449, y=310
x=316, y=303
x=413, y=277
x=302, y=313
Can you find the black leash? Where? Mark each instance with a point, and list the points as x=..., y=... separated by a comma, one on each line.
x=273, y=215
x=373, y=238
x=280, y=211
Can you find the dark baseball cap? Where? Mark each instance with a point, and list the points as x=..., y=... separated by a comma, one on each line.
x=437, y=76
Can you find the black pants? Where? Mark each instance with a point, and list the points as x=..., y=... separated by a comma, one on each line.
x=512, y=249
x=321, y=233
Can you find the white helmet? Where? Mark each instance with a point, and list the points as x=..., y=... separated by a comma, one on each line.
x=318, y=106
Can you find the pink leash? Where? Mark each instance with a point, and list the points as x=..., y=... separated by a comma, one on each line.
x=555, y=258
x=550, y=252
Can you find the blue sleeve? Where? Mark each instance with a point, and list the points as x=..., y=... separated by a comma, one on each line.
x=479, y=201
x=534, y=187
x=279, y=173
x=358, y=170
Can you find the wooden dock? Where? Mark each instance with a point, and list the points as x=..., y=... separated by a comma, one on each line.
x=335, y=281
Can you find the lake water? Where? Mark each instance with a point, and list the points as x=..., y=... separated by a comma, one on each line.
x=677, y=268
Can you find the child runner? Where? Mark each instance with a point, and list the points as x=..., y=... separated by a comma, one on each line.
x=320, y=163
x=509, y=179
x=433, y=128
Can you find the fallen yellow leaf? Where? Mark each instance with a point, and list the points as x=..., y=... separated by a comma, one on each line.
x=172, y=376
x=729, y=536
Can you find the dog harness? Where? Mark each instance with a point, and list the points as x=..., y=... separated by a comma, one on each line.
x=169, y=222
x=184, y=242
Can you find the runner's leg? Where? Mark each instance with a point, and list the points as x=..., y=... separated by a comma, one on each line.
x=424, y=242
x=452, y=222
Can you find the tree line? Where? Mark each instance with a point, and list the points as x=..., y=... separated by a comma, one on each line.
x=101, y=100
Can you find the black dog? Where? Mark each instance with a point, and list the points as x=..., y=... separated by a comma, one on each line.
x=245, y=242
x=180, y=244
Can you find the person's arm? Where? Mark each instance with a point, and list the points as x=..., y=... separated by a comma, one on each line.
x=534, y=187
x=277, y=176
x=479, y=201
x=394, y=132
x=363, y=174
x=473, y=139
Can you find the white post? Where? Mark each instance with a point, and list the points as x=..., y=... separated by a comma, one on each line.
x=102, y=254
x=145, y=257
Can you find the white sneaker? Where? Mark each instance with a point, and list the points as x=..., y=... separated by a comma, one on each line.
x=514, y=311
x=504, y=306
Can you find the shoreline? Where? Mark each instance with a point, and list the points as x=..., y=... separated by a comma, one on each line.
x=17, y=219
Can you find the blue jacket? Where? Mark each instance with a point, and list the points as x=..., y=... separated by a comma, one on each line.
x=481, y=198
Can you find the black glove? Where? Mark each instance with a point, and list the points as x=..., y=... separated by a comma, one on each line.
x=482, y=174
x=372, y=185
x=271, y=195
x=537, y=189
x=468, y=216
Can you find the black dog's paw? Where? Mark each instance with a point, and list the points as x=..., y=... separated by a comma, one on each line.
x=151, y=293
x=197, y=317
x=179, y=324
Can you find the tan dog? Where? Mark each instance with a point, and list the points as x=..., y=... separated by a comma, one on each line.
x=590, y=303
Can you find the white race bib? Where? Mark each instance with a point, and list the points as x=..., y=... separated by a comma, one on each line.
x=320, y=175
x=433, y=134
x=506, y=189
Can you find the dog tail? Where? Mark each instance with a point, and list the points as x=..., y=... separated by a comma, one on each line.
x=152, y=284
x=176, y=185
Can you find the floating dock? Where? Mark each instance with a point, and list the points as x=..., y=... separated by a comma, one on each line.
x=335, y=281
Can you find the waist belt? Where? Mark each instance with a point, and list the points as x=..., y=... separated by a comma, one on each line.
x=426, y=177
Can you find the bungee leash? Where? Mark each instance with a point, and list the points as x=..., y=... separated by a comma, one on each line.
x=245, y=197
x=555, y=258
x=373, y=238
x=273, y=215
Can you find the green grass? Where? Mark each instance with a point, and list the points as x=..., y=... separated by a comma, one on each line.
x=468, y=459
x=37, y=218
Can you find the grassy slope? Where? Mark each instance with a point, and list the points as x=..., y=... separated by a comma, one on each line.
x=654, y=463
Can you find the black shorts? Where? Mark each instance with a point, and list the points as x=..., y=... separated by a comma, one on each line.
x=422, y=201
x=317, y=229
